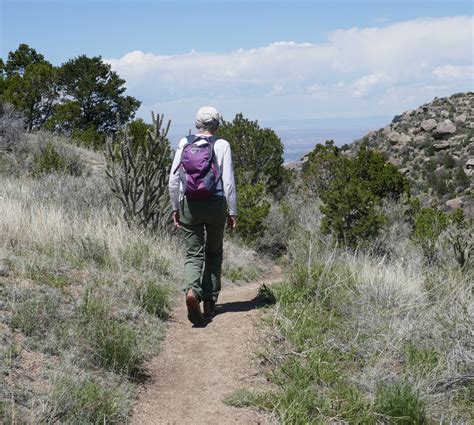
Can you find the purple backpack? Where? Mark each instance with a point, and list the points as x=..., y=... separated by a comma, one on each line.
x=198, y=168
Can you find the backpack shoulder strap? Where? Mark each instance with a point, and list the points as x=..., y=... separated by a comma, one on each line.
x=213, y=139
x=191, y=138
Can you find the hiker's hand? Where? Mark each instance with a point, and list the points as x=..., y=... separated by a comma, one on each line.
x=176, y=219
x=231, y=222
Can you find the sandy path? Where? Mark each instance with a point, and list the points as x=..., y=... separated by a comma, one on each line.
x=198, y=367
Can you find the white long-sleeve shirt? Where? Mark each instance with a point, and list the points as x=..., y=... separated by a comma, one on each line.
x=226, y=170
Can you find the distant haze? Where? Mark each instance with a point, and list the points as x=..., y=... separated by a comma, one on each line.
x=300, y=136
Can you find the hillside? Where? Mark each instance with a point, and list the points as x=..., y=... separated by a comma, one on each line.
x=433, y=145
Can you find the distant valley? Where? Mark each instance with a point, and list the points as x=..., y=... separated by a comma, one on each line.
x=300, y=136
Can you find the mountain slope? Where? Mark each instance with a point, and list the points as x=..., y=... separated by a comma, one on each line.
x=433, y=145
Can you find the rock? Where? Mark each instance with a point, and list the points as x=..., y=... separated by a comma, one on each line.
x=393, y=137
x=445, y=127
x=420, y=139
x=441, y=146
x=428, y=125
x=445, y=113
x=404, y=171
x=395, y=161
x=461, y=118
x=454, y=203
x=404, y=138
x=469, y=167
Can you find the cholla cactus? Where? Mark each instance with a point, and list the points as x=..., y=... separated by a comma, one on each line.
x=138, y=176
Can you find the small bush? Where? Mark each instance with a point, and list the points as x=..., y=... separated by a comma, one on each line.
x=461, y=179
x=50, y=160
x=253, y=209
x=399, y=403
x=90, y=138
x=154, y=299
x=351, y=189
x=429, y=223
x=81, y=400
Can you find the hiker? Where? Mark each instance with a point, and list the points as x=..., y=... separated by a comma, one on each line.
x=202, y=191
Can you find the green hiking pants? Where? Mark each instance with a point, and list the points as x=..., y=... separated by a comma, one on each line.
x=203, y=224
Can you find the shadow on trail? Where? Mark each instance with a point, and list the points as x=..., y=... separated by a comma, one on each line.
x=240, y=306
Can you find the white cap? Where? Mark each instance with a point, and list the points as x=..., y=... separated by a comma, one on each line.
x=207, y=116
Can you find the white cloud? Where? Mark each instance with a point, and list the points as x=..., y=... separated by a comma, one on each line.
x=455, y=73
x=355, y=71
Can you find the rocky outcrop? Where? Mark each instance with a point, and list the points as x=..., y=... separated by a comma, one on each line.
x=433, y=145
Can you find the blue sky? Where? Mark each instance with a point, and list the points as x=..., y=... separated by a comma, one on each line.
x=67, y=28
x=276, y=61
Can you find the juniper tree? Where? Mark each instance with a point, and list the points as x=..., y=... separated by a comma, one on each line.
x=138, y=176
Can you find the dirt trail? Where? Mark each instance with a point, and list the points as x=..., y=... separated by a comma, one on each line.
x=198, y=367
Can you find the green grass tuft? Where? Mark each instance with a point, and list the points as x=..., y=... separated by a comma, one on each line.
x=154, y=299
x=399, y=403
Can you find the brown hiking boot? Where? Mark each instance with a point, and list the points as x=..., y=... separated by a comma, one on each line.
x=194, y=309
x=209, y=308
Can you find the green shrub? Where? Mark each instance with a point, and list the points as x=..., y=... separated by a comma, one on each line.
x=48, y=161
x=352, y=189
x=253, y=209
x=257, y=153
x=461, y=179
x=81, y=400
x=90, y=137
x=154, y=299
x=448, y=161
x=429, y=223
x=399, y=403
